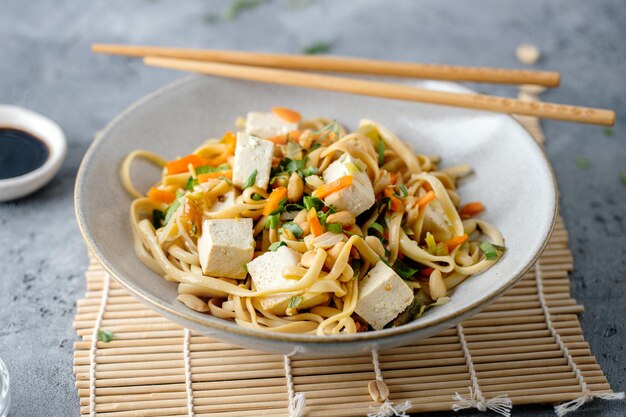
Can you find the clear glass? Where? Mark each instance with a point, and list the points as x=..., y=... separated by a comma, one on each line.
x=5, y=395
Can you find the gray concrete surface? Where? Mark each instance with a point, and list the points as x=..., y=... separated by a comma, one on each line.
x=45, y=65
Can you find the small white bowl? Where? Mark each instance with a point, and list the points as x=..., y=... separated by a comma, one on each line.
x=43, y=128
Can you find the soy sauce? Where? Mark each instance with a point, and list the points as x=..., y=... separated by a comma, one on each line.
x=20, y=153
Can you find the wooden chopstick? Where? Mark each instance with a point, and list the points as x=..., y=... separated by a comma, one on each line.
x=390, y=90
x=343, y=65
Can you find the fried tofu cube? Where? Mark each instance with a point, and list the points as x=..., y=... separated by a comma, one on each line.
x=252, y=154
x=225, y=247
x=266, y=125
x=382, y=296
x=359, y=196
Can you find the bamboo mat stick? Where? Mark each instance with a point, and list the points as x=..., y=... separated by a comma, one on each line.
x=342, y=65
x=389, y=90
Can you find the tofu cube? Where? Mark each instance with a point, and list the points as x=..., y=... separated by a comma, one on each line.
x=267, y=273
x=225, y=201
x=266, y=125
x=382, y=296
x=360, y=195
x=252, y=153
x=225, y=247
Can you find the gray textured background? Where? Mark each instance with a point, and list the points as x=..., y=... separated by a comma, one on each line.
x=45, y=65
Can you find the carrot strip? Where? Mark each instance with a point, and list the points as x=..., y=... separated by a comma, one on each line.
x=288, y=115
x=210, y=175
x=293, y=135
x=274, y=199
x=471, y=209
x=394, y=177
x=425, y=199
x=396, y=203
x=314, y=223
x=160, y=195
x=332, y=187
x=182, y=164
x=231, y=142
x=426, y=272
x=456, y=241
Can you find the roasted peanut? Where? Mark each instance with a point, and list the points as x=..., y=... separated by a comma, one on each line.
x=437, y=285
x=332, y=254
x=376, y=245
x=345, y=218
x=307, y=258
x=378, y=390
x=295, y=188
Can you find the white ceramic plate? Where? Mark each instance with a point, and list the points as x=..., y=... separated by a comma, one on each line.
x=512, y=177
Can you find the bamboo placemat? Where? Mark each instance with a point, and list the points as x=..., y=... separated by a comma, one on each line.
x=528, y=346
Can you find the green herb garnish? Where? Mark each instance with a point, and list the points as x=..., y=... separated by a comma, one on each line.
x=334, y=227
x=239, y=6
x=157, y=218
x=256, y=197
x=310, y=171
x=171, y=210
x=405, y=271
x=319, y=47
x=274, y=246
x=313, y=202
x=206, y=169
x=404, y=192
x=376, y=226
x=294, y=165
x=105, y=336
x=294, y=228
x=491, y=251
x=608, y=132
x=251, y=179
x=381, y=152
x=583, y=163
x=294, y=302
x=273, y=221
x=191, y=182
x=293, y=207
x=281, y=207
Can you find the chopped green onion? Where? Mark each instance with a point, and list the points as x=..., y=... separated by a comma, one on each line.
x=251, y=179
x=308, y=171
x=274, y=246
x=191, y=182
x=404, y=270
x=294, y=302
x=157, y=218
x=294, y=228
x=105, y=336
x=206, y=169
x=352, y=168
x=490, y=250
x=385, y=202
x=272, y=221
x=256, y=197
x=430, y=241
x=293, y=207
x=281, y=207
x=409, y=232
x=381, y=152
x=404, y=191
x=334, y=227
x=295, y=165
x=310, y=202
x=376, y=226
x=171, y=210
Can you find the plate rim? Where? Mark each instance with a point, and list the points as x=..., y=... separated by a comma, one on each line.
x=229, y=327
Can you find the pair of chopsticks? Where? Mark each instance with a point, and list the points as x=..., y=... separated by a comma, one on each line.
x=288, y=70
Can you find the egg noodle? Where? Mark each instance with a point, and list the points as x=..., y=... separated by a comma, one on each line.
x=416, y=225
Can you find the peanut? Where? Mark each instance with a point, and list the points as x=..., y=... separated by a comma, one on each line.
x=376, y=245
x=378, y=390
x=307, y=259
x=345, y=218
x=295, y=188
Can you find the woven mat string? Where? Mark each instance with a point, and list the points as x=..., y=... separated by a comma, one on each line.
x=296, y=400
x=587, y=395
x=106, y=283
x=500, y=404
x=187, y=359
x=387, y=408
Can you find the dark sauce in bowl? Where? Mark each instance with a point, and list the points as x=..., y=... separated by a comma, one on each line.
x=20, y=153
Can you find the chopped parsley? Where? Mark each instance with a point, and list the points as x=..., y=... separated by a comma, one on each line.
x=294, y=228
x=583, y=163
x=237, y=7
x=308, y=171
x=251, y=179
x=105, y=336
x=608, y=132
x=334, y=227
x=294, y=302
x=191, y=182
x=157, y=218
x=274, y=246
x=404, y=270
x=319, y=47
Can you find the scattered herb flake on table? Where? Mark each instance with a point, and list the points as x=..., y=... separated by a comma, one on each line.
x=583, y=163
x=105, y=336
x=319, y=47
x=239, y=6
x=623, y=177
x=608, y=132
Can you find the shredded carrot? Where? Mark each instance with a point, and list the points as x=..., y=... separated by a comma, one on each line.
x=286, y=114
x=332, y=187
x=394, y=177
x=426, y=272
x=293, y=135
x=274, y=199
x=210, y=175
x=456, y=241
x=230, y=139
x=425, y=199
x=182, y=164
x=162, y=196
x=314, y=223
x=471, y=209
x=396, y=203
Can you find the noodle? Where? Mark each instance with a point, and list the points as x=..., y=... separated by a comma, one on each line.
x=413, y=221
